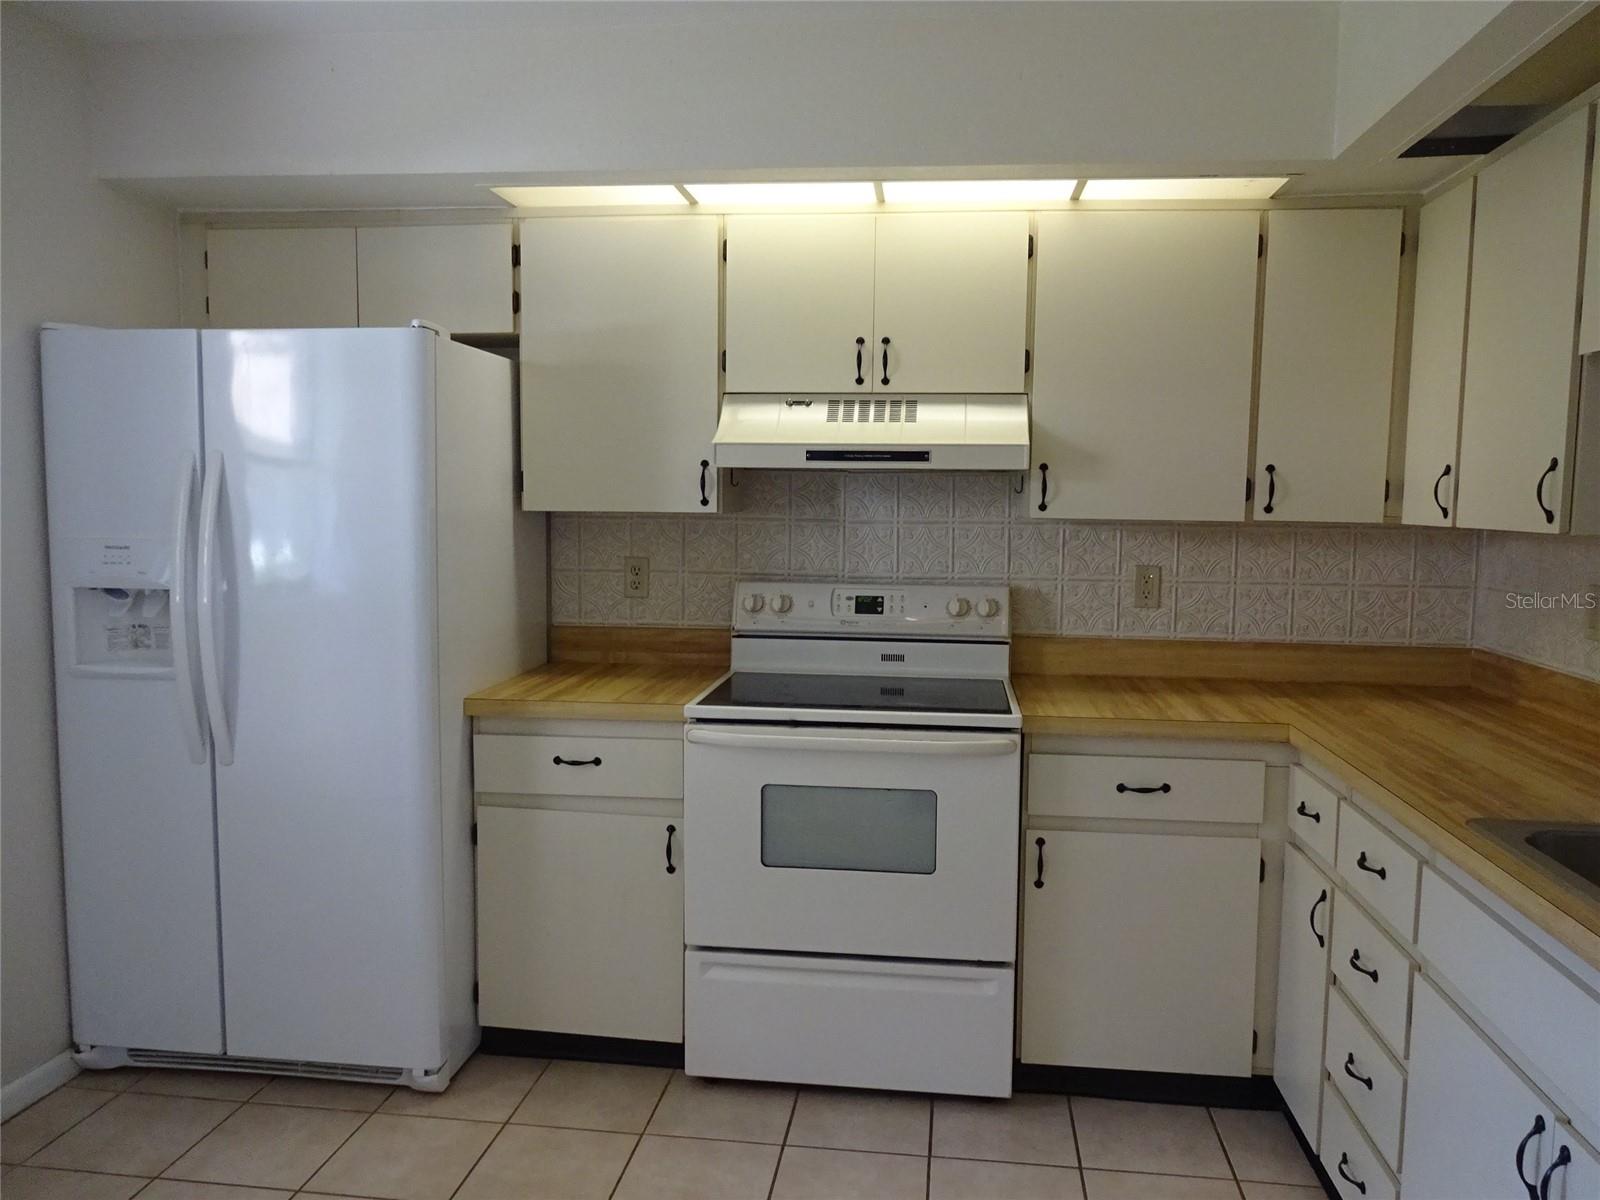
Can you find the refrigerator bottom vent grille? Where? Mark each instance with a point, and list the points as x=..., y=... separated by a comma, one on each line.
x=268, y=1066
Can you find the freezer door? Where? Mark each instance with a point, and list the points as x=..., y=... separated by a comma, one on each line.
x=122, y=447
x=317, y=637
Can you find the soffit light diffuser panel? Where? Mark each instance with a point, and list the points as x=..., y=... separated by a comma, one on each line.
x=590, y=197
x=718, y=195
x=1204, y=188
x=976, y=191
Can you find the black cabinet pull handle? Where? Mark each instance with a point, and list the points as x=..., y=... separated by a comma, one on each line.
x=1044, y=486
x=1549, y=516
x=1038, y=878
x=1311, y=917
x=1344, y=1161
x=1361, y=861
x=705, y=464
x=1522, y=1148
x=1144, y=791
x=576, y=762
x=860, y=349
x=1355, y=962
x=791, y=402
x=1350, y=1070
x=1306, y=812
x=1562, y=1158
x=1272, y=491
x=1443, y=511
x=886, y=362
x=671, y=829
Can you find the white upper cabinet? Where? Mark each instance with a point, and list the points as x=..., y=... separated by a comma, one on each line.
x=1518, y=409
x=799, y=303
x=950, y=304
x=1438, y=341
x=1144, y=333
x=455, y=276
x=619, y=363
x=1327, y=364
x=281, y=278
x=1589, y=335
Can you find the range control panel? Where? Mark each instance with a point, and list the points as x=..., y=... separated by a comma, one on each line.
x=875, y=609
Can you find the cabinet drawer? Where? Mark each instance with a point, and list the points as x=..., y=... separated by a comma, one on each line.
x=1149, y=789
x=1313, y=813
x=1545, y=1017
x=1361, y=951
x=1356, y=1169
x=1378, y=869
x=525, y=764
x=1372, y=1083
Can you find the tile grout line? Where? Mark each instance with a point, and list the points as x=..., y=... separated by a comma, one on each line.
x=109, y=1098
x=788, y=1125
x=1227, y=1157
x=504, y=1125
x=638, y=1139
x=1077, y=1146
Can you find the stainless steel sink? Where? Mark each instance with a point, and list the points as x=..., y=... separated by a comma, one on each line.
x=1568, y=851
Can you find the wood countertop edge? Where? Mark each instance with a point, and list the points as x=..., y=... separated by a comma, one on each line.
x=575, y=710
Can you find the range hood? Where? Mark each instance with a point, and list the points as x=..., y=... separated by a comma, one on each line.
x=875, y=431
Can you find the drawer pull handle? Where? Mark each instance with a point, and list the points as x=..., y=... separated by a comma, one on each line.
x=671, y=869
x=1044, y=486
x=1312, y=917
x=1144, y=791
x=1361, y=861
x=705, y=500
x=1272, y=494
x=1306, y=812
x=576, y=762
x=885, y=362
x=1522, y=1148
x=1344, y=1160
x=1444, y=511
x=860, y=378
x=1038, y=878
x=1350, y=1070
x=1562, y=1158
x=1355, y=961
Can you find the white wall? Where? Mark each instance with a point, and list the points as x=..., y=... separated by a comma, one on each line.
x=73, y=250
x=818, y=86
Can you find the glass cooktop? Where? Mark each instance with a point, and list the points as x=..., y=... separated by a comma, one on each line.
x=865, y=693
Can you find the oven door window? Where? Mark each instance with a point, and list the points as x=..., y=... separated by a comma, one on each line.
x=849, y=828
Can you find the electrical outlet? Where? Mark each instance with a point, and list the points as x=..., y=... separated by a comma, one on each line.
x=636, y=576
x=1146, y=586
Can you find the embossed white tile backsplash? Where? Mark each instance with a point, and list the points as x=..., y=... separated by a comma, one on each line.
x=1529, y=599
x=1246, y=582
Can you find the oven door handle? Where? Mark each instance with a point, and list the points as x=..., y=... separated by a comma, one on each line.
x=972, y=747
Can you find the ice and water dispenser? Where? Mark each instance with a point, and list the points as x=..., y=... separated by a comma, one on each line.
x=120, y=605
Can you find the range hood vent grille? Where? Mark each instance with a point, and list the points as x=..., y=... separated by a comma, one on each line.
x=871, y=410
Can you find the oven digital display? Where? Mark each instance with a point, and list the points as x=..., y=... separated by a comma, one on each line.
x=869, y=606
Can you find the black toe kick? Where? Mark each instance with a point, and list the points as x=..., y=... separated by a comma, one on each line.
x=1156, y=1087
x=534, y=1043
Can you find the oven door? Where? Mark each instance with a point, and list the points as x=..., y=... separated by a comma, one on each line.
x=881, y=842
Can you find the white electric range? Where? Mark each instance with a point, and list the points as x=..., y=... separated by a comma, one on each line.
x=853, y=788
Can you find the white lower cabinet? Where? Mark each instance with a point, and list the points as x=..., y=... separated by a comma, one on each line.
x=580, y=922
x=1139, y=951
x=1349, y=1158
x=1302, y=989
x=1472, y=1121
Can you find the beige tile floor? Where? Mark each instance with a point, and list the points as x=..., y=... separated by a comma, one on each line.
x=525, y=1129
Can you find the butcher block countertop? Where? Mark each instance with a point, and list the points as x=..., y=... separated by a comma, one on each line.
x=1515, y=742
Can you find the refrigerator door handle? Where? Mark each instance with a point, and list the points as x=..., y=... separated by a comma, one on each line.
x=190, y=714
x=208, y=567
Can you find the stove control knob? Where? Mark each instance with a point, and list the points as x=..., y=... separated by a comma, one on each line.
x=959, y=607
x=780, y=603
x=753, y=602
x=989, y=607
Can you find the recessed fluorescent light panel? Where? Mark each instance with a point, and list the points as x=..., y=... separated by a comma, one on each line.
x=719, y=195
x=1203, y=188
x=590, y=197
x=976, y=191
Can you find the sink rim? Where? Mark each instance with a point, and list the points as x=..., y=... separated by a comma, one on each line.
x=1513, y=834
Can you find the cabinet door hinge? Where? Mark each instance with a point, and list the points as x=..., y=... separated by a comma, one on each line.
x=1030, y=245
x=1402, y=243
x=208, y=306
x=475, y=824
x=516, y=302
x=516, y=255
x=1027, y=360
x=1255, y=1041
x=1261, y=244
x=474, y=991
x=724, y=361
x=1249, y=489
x=519, y=492
x=205, y=259
x=1386, y=487
x=1263, y=870
x=724, y=249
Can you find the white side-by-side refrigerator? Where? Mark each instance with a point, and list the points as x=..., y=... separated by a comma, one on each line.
x=279, y=561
